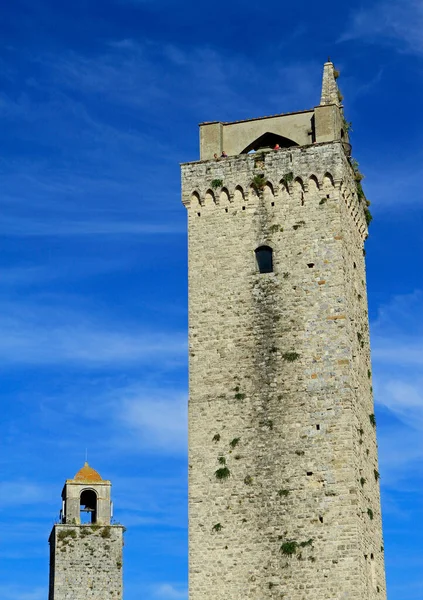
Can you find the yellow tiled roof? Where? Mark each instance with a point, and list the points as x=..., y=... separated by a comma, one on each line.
x=87, y=474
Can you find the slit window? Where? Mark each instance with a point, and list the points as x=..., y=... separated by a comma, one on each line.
x=264, y=258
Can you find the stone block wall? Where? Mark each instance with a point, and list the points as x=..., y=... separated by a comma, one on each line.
x=86, y=562
x=283, y=492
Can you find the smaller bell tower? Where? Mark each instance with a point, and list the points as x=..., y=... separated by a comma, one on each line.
x=85, y=548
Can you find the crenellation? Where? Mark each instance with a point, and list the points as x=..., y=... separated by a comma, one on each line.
x=237, y=176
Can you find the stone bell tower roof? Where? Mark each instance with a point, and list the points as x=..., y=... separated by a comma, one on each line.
x=87, y=475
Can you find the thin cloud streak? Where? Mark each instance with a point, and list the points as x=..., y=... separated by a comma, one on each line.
x=52, y=335
x=15, y=592
x=159, y=421
x=397, y=358
x=19, y=493
x=397, y=22
x=169, y=591
x=87, y=348
x=20, y=227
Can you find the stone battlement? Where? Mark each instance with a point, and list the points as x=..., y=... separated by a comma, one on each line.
x=289, y=175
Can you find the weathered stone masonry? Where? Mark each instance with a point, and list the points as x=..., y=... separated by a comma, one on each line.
x=86, y=562
x=283, y=476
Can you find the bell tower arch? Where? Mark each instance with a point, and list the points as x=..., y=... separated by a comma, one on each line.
x=86, y=494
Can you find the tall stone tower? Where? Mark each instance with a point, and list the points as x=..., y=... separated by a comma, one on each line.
x=283, y=474
x=86, y=558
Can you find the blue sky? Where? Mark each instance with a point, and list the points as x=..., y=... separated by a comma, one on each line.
x=99, y=102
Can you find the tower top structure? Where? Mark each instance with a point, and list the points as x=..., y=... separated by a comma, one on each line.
x=323, y=123
x=86, y=475
x=87, y=492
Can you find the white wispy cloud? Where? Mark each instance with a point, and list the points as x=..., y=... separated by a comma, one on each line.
x=397, y=22
x=169, y=591
x=394, y=193
x=201, y=80
x=404, y=399
x=155, y=420
x=159, y=499
x=20, y=592
x=71, y=228
x=17, y=493
x=397, y=355
x=66, y=268
x=398, y=331
x=47, y=333
x=91, y=159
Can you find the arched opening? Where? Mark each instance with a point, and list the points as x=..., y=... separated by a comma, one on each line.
x=268, y=192
x=195, y=199
x=209, y=198
x=224, y=196
x=238, y=194
x=328, y=181
x=313, y=184
x=269, y=140
x=88, y=506
x=264, y=258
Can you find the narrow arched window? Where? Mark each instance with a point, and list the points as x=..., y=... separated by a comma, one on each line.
x=264, y=258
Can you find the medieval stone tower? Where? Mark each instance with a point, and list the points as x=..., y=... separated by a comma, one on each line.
x=283, y=473
x=86, y=557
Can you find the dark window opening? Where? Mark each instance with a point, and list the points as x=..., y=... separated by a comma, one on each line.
x=88, y=511
x=313, y=129
x=309, y=473
x=310, y=265
x=321, y=519
x=318, y=427
x=272, y=203
x=372, y=556
x=269, y=140
x=264, y=257
x=243, y=208
x=226, y=210
x=199, y=214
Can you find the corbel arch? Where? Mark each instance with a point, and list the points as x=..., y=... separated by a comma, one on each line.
x=269, y=191
x=195, y=198
x=209, y=198
x=239, y=194
x=299, y=184
x=224, y=196
x=328, y=180
x=313, y=184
